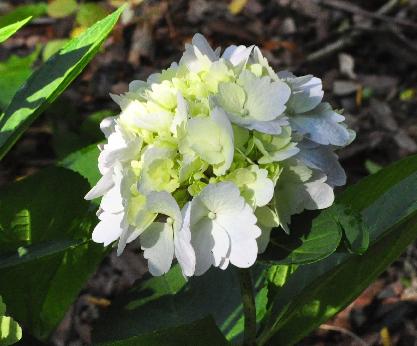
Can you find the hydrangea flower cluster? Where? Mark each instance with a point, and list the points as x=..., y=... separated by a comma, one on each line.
x=211, y=154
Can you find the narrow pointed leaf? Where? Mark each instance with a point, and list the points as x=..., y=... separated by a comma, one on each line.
x=9, y=30
x=50, y=80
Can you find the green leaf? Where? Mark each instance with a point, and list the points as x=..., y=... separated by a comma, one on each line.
x=203, y=333
x=90, y=128
x=22, y=12
x=46, y=254
x=310, y=240
x=355, y=230
x=52, y=47
x=61, y=8
x=9, y=30
x=85, y=163
x=89, y=13
x=14, y=72
x=372, y=167
x=10, y=331
x=170, y=302
x=387, y=202
x=47, y=83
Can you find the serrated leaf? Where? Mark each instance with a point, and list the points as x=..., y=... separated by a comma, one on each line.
x=49, y=255
x=10, y=331
x=355, y=230
x=9, y=30
x=311, y=239
x=49, y=81
x=84, y=162
x=314, y=293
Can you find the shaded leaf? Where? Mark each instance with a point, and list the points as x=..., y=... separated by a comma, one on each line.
x=48, y=82
x=310, y=240
x=203, y=333
x=84, y=162
x=46, y=254
x=387, y=202
x=14, y=71
x=172, y=303
x=355, y=230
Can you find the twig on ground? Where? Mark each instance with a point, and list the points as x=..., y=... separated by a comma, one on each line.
x=359, y=340
x=351, y=8
x=351, y=36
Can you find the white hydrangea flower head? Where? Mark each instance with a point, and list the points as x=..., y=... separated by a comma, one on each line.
x=210, y=155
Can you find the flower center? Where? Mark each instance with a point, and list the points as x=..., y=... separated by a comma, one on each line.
x=211, y=215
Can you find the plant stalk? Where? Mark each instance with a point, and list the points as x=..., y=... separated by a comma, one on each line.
x=249, y=307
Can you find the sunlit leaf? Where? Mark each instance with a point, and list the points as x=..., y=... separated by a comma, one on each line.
x=10, y=331
x=9, y=30
x=49, y=81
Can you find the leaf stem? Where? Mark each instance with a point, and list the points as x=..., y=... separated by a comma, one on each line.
x=249, y=307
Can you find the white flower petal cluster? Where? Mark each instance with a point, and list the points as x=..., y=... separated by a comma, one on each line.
x=209, y=155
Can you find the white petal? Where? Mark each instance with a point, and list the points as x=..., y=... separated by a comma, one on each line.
x=158, y=245
x=321, y=195
x=221, y=119
x=181, y=115
x=108, y=229
x=198, y=55
x=203, y=46
x=112, y=201
x=222, y=197
x=107, y=125
x=307, y=93
x=263, y=187
x=265, y=100
x=103, y=185
x=237, y=54
x=273, y=127
x=243, y=233
x=324, y=159
x=202, y=242
x=263, y=240
x=184, y=252
x=322, y=125
x=125, y=236
x=163, y=203
x=221, y=248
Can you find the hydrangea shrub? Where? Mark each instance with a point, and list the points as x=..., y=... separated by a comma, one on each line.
x=211, y=154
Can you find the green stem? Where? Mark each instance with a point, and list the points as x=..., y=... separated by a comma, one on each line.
x=249, y=307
